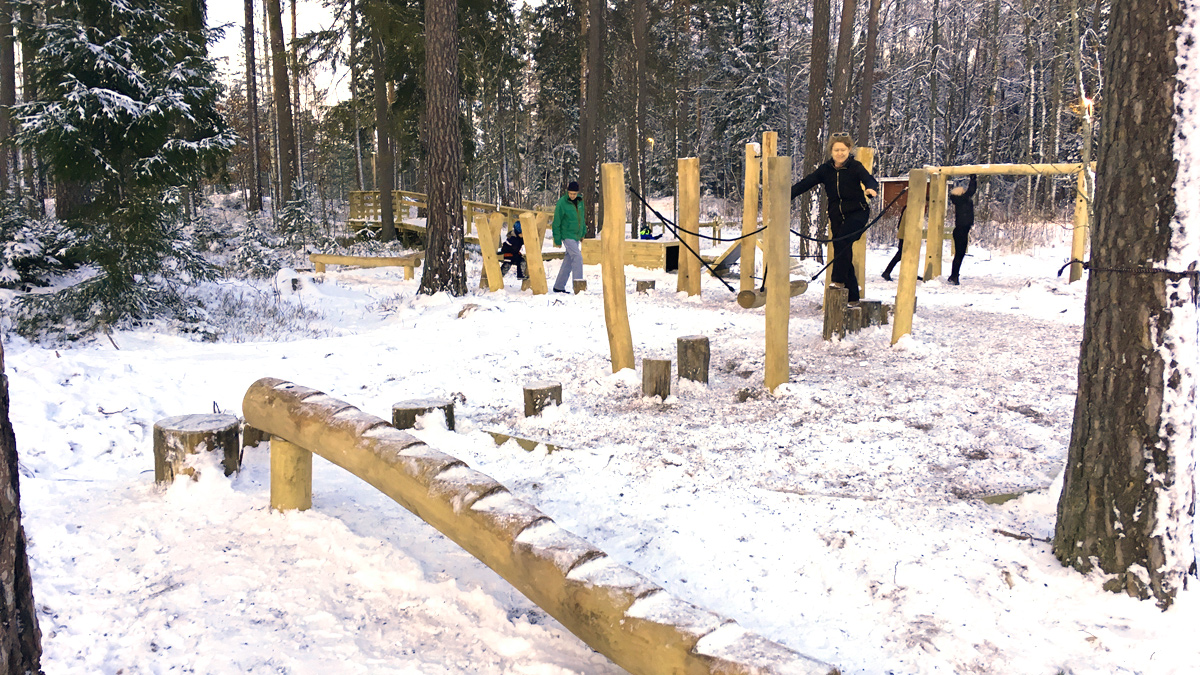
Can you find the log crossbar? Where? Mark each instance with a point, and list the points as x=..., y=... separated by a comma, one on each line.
x=615, y=610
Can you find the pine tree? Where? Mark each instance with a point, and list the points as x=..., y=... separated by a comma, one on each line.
x=127, y=112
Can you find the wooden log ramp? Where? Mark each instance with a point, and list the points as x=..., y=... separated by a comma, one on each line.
x=618, y=612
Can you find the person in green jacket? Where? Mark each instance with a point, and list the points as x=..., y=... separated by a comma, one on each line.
x=568, y=229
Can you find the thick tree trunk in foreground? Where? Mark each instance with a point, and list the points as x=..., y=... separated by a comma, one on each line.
x=445, y=268
x=1128, y=495
x=20, y=637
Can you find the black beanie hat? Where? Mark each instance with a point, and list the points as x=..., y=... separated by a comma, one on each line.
x=572, y=187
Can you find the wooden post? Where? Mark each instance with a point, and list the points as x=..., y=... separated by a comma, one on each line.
x=777, y=217
x=872, y=312
x=854, y=319
x=489, y=241
x=688, y=276
x=865, y=156
x=656, y=377
x=644, y=285
x=754, y=298
x=579, y=285
x=531, y=233
x=835, y=312
x=291, y=476
x=693, y=356
x=405, y=413
x=749, y=219
x=937, y=227
x=906, y=287
x=1079, y=233
x=177, y=437
x=612, y=266
x=539, y=395
x=770, y=145
x=318, y=267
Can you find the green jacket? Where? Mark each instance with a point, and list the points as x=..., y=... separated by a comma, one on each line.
x=568, y=220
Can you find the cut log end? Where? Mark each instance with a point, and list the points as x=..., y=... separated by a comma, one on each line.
x=540, y=395
x=693, y=356
x=177, y=437
x=405, y=413
x=656, y=377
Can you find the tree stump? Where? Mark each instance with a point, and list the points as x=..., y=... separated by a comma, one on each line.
x=872, y=312
x=251, y=437
x=656, y=377
x=580, y=285
x=835, y=312
x=693, y=357
x=539, y=395
x=405, y=413
x=854, y=319
x=177, y=437
x=643, y=285
x=526, y=284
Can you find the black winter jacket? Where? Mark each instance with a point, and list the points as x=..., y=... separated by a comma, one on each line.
x=511, y=246
x=843, y=187
x=964, y=208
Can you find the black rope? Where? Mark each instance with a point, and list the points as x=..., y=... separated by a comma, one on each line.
x=854, y=234
x=1193, y=275
x=671, y=226
x=694, y=234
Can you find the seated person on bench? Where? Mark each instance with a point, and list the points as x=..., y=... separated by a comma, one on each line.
x=510, y=252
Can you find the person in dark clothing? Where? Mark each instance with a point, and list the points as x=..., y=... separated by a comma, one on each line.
x=887, y=273
x=510, y=252
x=964, y=218
x=844, y=179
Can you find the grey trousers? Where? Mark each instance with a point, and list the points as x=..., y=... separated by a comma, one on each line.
x=572, y=263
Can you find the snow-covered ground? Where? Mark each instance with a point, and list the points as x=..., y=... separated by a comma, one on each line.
x=840, y=517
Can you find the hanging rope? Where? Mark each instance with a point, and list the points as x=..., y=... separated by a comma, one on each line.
x=859, y=232
x=694, y=234
x=674, y=230
x=1193, y=275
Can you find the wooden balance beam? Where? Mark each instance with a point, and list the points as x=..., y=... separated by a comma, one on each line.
x=409, y=262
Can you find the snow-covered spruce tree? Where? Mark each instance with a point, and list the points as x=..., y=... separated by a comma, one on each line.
x=1128, y=501
x=31, y=250
x=125, y=113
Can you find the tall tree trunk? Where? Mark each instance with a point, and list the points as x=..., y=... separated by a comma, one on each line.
x=1031, y=95
x=841, y=69
x=385, y=168
x=445, y=267
x=934, y=47
x=352, y=18
x=36, y=187
x=638, y=161
x=590, y=117
x=296, y=115
x=868, y=83
x=283, y=105
x=8, y=95
x=20, y=636
x=1127, y=503
x=256, y=198
x=817, y=70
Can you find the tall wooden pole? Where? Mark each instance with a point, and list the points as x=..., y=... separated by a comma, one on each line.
x=777, y=370
x=749, y=219
x=906, y=288
x=688, y=276
x=612, y=266
x=1079, y=232
x=937, y=227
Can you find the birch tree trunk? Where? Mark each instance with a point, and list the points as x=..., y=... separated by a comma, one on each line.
x=1127, y=503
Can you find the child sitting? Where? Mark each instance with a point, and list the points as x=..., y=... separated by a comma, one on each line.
x=510, y=252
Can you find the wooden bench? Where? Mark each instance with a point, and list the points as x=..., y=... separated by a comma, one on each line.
x=409, y=262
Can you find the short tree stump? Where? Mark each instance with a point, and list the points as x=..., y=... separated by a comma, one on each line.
x=177, y=437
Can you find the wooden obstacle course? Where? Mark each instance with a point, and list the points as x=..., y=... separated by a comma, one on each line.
x=177, y=437
x=692, y=355
x=488, y=227
x=612, y=267
x=906, y=287
x=540, y=395
x=533, y=233
x=688, y=276
x=649, y=254
x=409, y=262
x=777, y=215
x=405, y=413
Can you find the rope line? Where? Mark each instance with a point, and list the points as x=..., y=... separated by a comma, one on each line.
x=1173, y=275
x=674, y=230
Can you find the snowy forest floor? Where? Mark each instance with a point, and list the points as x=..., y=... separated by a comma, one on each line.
x=840, y=516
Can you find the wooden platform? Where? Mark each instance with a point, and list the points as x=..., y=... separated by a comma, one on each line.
x=639, y=253
x=409, y=262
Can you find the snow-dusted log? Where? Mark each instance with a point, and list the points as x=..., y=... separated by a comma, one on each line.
x=539, y=395
x=692, y=353
x=405, y=413
x=1127, y=505
x=643, y=285
x=615, y=610
x=754, y=298
x=835, y=312
x=177, y=437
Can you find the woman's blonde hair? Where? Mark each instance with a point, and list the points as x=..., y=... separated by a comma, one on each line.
x=840, y=137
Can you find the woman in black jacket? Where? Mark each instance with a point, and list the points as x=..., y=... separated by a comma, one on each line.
x=964, y=218
x=844, y=179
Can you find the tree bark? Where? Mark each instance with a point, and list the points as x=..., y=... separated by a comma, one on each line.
x=37, y=188
x=868, y=83
x=818, y=68
x=385, y=168
x=841, y=69
x=1128, y=496
x=283, y=105
x=256, y=197
x=638, y=161
x=445, y=267
x=20, y=636
x=592, y=113
x=8, y=94
x=295, y=67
